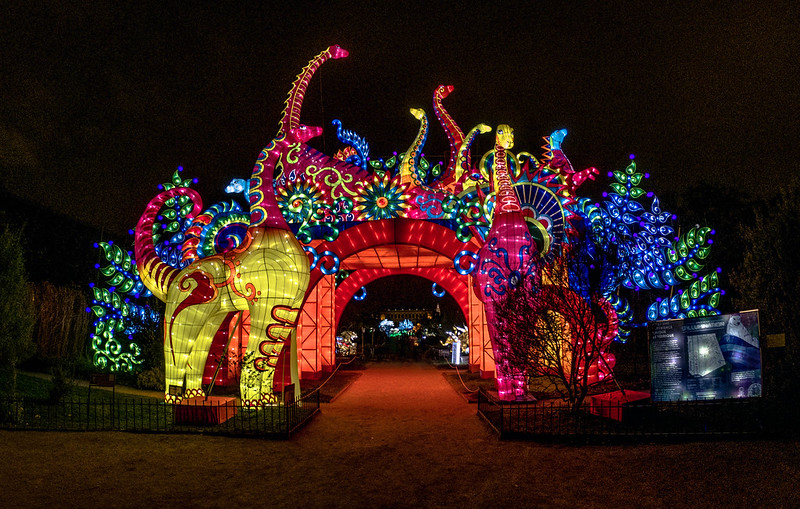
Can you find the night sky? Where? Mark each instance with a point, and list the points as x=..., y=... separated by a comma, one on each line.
x=102, y=102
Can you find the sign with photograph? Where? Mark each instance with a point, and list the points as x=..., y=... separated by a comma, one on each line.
x=709, y=357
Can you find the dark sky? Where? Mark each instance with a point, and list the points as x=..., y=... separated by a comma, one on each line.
x=99, y=102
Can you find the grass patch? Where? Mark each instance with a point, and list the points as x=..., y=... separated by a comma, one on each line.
x=104, y=410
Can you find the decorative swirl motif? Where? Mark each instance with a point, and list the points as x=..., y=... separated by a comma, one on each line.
x=497, y=268
x=108, y=352
x=318, y=260
x=298, y=200
x=332, y=179
x=249, y=294
x=437, y=204
x=470, y=257
x=219, y=229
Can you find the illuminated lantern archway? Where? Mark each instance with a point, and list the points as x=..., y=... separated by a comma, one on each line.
x=462, y=225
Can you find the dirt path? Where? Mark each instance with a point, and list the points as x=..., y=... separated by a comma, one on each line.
x=398, y=437
x=395, y=403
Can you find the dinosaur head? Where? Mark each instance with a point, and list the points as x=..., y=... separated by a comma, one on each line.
x=303, y=133
x=238, y=186
x=483, y=128
x=418, y=113
x=557, y=138
x=443, y=91
x=505, y=136
x=337, y=51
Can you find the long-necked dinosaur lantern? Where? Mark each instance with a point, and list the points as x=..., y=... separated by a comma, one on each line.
x=489, y=217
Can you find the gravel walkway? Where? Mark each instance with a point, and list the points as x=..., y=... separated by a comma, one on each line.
x=398, y=437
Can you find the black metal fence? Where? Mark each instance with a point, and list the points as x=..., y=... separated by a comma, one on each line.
x=140, y=415
x=554, y=420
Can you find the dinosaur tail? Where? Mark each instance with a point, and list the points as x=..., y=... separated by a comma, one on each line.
x=155, y=273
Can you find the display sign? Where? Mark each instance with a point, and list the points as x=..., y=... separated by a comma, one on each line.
x=710, y=357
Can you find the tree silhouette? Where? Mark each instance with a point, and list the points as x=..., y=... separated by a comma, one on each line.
x=16, y=311
x=769, y=279
x=556, y=325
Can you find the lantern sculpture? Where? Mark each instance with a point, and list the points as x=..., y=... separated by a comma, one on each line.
x=494, y=220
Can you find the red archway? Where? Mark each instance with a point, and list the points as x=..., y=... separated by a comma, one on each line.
x=378, y=249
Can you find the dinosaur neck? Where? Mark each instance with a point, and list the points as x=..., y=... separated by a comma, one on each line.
x=463, y=160
x=294, y=103
x=264, y=210
x=506, y=198
x=454, y=134
x=409, y=164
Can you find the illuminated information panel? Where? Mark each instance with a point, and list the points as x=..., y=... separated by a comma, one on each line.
x=710, y=357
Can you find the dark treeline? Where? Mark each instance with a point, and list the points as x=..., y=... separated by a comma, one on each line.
x=57, y=248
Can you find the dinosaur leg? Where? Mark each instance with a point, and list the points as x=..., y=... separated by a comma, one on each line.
x=173, y=371
x=268, y=334
x=198, y=354
x=189, y=332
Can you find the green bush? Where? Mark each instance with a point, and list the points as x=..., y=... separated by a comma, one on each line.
x=151, y=379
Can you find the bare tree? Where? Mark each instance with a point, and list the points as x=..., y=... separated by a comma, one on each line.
x=556, y=325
